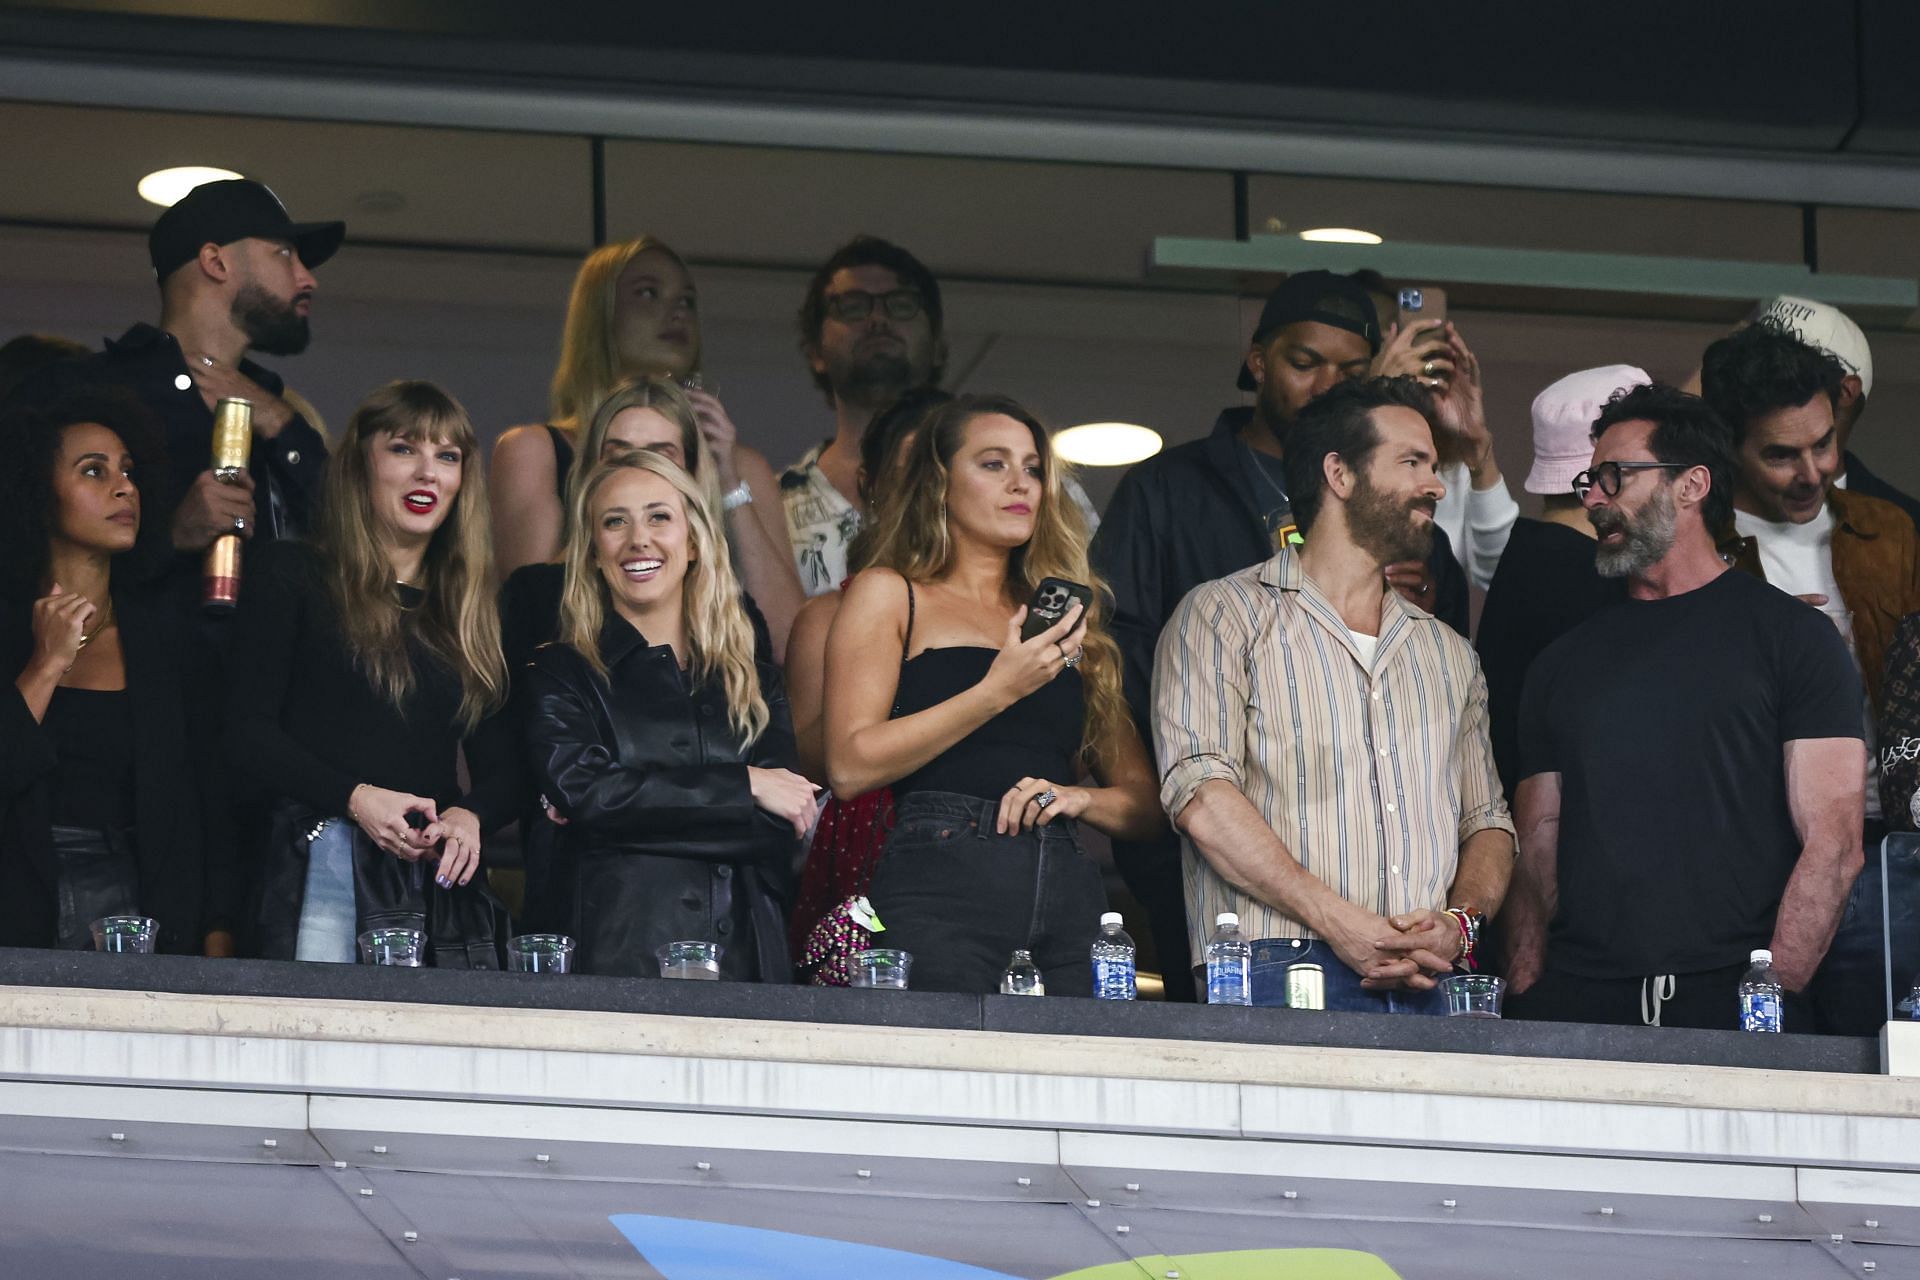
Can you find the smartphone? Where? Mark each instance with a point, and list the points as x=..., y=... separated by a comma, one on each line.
x=1423, y=305
x=1050, y=602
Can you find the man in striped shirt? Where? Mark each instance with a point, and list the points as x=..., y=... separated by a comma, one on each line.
x=1323, y=745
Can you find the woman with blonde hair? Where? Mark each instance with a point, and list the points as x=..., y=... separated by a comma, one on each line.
x=983, y=734
x=362, y=664
x=634, y=314
x=664, y=747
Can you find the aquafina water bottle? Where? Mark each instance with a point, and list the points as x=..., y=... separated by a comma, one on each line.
x=1113, y=965
x=1228, y=960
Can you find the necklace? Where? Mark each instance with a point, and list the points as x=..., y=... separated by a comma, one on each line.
x=86, y=638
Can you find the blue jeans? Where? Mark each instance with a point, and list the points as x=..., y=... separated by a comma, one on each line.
x=328, y=916
x=1272, y=957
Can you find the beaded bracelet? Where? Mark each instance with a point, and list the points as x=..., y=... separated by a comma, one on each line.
x=1469, y=944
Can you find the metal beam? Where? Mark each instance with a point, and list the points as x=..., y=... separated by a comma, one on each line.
x=1536, y=269
x=543, y=107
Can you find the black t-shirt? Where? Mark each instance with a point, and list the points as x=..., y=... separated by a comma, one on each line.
x=1546, y=586
x=1665, y=720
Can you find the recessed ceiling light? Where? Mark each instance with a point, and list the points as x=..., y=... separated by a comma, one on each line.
x=1340, y=235
x=165, y=187
x=1106, y=444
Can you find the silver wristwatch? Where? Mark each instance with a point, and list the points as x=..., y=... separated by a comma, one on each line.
x=737, y=497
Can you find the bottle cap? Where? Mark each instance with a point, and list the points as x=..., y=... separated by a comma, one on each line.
x=1110, y=917
x=1759, y=954
x=1226, y=917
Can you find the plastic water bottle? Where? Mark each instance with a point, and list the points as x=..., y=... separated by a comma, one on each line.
x=1228, y=961
x=1113, y=969
x=1760, y=995
x=1022, y=977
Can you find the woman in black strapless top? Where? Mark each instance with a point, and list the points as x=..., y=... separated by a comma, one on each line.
x=982, y=735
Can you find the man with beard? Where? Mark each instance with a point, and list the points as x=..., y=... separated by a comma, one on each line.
x=1323, y=744
x=1691, y=758
x=235, y=275
x=1853, y=556
x=870, y=329
x=1212, y=507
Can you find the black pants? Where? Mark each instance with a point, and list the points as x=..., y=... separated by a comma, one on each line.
x=1151, y=869
x=961, y=898
x=1708, y=1001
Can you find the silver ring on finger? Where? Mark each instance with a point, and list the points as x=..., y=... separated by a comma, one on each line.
x=1046, y=797
x=239, y=524
x=1426, y=369
x=1073, y=659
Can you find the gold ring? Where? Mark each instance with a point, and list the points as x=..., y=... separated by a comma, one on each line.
x=1426, y=370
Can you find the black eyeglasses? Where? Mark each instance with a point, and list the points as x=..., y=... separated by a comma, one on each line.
x=856, y=305
x=1609, y=475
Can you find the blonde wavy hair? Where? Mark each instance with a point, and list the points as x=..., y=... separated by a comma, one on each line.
x=718, y=632
x=589, y=365
x=910, y=535
x=458, y=621
x=663, y=396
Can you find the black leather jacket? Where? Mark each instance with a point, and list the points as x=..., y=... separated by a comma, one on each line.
x=663, y=841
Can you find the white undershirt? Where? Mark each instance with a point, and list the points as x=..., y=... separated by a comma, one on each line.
x=1798, y=559
x=1366, y=645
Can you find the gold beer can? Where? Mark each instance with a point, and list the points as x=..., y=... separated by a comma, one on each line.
x=220, y=574
x=232, y=437
x=1306, y=987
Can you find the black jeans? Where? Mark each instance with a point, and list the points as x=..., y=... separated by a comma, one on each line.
x=1709, y=1001
x=99, y=876
x=961, y=898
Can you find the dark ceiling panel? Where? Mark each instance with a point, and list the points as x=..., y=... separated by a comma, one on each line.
x=1889, y=91
x=1724, y=73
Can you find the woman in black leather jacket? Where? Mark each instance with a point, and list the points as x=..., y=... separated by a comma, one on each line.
x=660, y=741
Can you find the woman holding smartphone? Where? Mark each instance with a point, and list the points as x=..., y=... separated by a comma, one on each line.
x=363, y=663
x=984, y=736
x=664, y=747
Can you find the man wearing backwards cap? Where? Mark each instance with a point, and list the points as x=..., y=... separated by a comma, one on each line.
x=1829, y=329
x=1546, y=584
x=235, y=274
x=1212, y=507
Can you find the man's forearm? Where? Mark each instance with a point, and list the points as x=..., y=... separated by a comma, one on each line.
x=1237, y=842
x=1811, y=907
x=1486, y=866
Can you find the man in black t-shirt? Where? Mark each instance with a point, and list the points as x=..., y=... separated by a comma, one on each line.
x=1690, y=759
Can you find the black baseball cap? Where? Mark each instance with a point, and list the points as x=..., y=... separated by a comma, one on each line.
x=1320, y=296
x=222, y=212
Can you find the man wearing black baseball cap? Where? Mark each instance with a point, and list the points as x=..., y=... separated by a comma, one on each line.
x=235, y=275
x=1212, y=507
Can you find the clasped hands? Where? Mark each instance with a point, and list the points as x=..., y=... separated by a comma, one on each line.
x=388, y=818
x=1413, y=950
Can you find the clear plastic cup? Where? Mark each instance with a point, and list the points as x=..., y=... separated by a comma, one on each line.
x=880, y=967
x=699, y=961
x=540, y=953
x=1473, y=995
x=125, y=935
x=405, y=948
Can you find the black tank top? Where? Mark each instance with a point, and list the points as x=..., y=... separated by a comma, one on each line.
x=1037, y=737
x=92, y=735
x=562, y=461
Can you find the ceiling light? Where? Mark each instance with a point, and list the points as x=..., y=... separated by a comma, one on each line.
x=1340, y=235
x=1106, y=444
x=165, y=187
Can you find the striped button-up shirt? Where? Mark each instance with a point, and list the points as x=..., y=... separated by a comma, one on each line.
x=1373, y=777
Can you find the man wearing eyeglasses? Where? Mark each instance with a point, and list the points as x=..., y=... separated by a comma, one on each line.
x=1854, y=557
x=1691, y=759
x=871, y=329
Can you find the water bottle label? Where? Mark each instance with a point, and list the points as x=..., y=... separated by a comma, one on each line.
x=1759, y=1011
x=1113, y=979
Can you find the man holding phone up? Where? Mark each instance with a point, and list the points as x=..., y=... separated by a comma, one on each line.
x=1323, y=745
